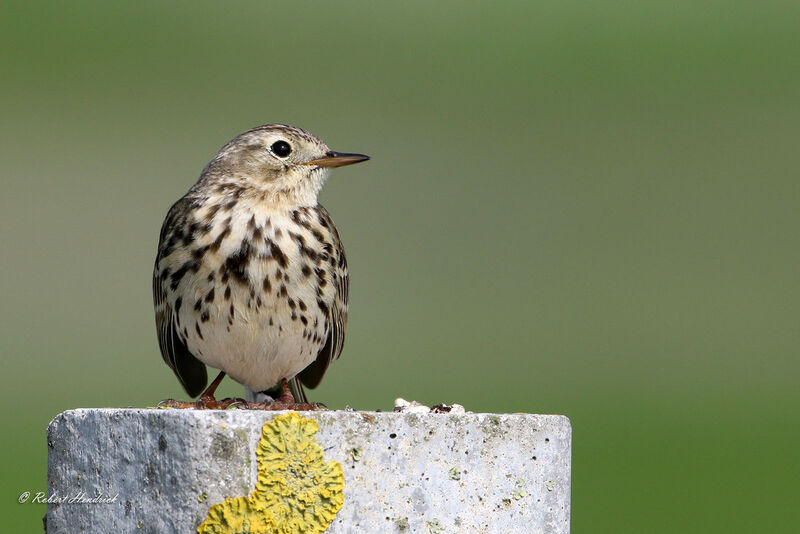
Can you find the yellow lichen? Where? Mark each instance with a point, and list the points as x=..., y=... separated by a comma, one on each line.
x=297, y=490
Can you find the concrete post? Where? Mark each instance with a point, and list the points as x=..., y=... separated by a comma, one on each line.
x=160, y=471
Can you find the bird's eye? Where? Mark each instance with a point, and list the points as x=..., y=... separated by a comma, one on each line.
x=282, y=149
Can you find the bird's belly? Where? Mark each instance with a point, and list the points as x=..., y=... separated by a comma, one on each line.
x=257, y=349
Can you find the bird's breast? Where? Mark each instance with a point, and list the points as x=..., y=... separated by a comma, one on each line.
x=250, y=289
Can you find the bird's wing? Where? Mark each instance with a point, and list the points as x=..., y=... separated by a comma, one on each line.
x=189, y=370
x=337, y=314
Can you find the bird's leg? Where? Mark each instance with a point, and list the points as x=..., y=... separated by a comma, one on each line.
x=285, y=402
x=206, y=400
x=287, y=397
x=207, y=397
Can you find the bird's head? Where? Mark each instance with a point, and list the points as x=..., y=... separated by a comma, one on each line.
x=285, y=164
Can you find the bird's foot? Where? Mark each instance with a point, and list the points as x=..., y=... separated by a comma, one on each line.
x=241, y=404
x=285, y=402
x=206, y=400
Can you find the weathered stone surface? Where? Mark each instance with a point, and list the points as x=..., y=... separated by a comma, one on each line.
x=404, y=472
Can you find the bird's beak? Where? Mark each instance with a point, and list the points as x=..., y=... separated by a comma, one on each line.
x=337, y=159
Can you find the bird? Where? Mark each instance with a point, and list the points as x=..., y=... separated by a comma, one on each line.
x=250, y=275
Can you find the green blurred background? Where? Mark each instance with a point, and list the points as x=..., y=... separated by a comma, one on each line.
x=587, y=208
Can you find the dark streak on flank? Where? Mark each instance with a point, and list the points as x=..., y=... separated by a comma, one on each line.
x=310, y=254
x=298, y=238
x=237, y=262
x=283, y=261
x=175, y=278
x=188, y=236
x=321, y=281
x=212, y=210
x=225, y=233
x=200, y=252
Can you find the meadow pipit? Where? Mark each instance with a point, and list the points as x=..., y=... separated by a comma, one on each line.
x=250, y=275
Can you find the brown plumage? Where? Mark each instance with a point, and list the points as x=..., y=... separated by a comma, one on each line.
x=250, y=275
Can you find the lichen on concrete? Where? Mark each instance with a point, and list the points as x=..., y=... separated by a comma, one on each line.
x=297, y=490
